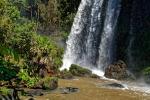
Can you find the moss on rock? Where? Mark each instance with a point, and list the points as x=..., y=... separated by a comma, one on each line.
x=79, y=71
x=50, y=83
x=65, y=74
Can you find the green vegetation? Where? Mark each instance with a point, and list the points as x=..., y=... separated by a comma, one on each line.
x=29, y=30
x=79, y=71
x=76, y=70
x=4, y=90
x=26, y=79
x=65, y=74
x=146, y=71
x=23, y=52
x=50, y=83
x=67, y=10
x=51, y=16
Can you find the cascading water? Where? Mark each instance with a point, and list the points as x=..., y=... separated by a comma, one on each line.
x=107, y=45
x=91, y=39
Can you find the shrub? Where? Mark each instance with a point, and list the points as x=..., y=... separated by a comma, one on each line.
x=9, y=61
x=146, y=74
x=65, y=35
x=4, y=90
x=146, y=71
x=19, y=37
x=29, y=81
x=50, y=83
x=45, y=51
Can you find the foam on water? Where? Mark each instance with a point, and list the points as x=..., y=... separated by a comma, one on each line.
x=98, y=72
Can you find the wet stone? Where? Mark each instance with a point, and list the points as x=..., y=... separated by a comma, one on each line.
x=68, y=90
x=115, y=85
x=31, y=99
x=36, y=92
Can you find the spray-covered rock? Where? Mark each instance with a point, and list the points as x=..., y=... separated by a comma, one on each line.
x=117, y=70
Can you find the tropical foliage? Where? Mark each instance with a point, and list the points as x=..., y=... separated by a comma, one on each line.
x=22, y=50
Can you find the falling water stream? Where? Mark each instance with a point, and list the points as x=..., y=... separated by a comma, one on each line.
x=91, y=42
x=92, y=35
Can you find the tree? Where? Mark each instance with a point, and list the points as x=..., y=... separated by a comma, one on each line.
x=67, y=10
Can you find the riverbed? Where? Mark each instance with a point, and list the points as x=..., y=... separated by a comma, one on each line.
x=91, y=89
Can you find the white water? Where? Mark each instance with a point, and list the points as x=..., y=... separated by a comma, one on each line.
x=90, y=47
x=87, y=45
x=106, y=46
x=137, y=86
x=72, y=49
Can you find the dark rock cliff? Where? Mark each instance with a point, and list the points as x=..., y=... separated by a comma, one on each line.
x=134, y=23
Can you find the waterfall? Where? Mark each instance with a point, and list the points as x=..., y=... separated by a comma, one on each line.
x=107, y=40
x=92, y=35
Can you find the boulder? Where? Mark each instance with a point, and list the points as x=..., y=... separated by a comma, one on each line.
x=95, y=76
x=32, y=93
x=117, y=71
x=65, y=74
x=50, y=83
x=77, y=70
x=68, y=90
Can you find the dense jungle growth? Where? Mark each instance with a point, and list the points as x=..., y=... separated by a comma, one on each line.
x=26, y=53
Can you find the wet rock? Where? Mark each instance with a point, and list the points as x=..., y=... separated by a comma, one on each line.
x=117, y=70
x=115, y=85
x=68, y=90
x=65, y=74
x=31, y=99
x=47, y=83
x=32, y=93
x=95, y=76
x=80, y=71
x=50, y=83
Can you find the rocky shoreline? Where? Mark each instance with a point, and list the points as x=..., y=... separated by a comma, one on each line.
x=84, y=88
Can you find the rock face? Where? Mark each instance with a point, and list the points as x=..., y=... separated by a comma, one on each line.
x=133, y=26
x=117, y=71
